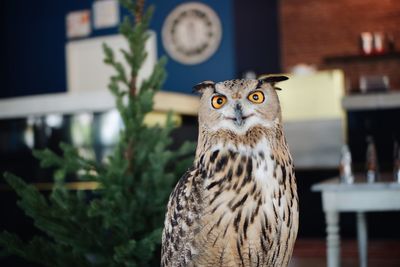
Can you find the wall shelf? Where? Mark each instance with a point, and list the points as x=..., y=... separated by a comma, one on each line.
x=89, y=101
x=360, y=58
x=376, y=101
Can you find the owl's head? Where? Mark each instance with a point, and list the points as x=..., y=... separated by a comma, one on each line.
x=239, y=105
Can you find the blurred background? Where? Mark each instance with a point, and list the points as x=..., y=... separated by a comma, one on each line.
x=342, y=57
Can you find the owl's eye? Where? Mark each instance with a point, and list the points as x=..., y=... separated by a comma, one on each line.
x=256, y=97
x=218, y=101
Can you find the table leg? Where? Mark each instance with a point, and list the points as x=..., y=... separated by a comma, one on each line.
x=332, y=239
x=362, y=237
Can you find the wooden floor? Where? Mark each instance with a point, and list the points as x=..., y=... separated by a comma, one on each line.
x=312, y=253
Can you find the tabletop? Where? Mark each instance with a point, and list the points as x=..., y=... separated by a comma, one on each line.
x=360, y=184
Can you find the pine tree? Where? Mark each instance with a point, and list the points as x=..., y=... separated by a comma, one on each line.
x=119, y=223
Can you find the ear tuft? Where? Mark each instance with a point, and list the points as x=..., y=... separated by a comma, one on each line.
x=199, y=88
x=274, y=79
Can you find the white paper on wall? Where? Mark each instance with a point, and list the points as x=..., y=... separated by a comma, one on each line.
x=85, y=67
x=105, y=14
x=78, y=24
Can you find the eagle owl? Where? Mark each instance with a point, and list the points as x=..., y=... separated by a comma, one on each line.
x=238, y=204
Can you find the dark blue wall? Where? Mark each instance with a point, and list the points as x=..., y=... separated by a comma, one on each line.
x=33, y=45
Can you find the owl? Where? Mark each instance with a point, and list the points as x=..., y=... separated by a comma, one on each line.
x=237, y=205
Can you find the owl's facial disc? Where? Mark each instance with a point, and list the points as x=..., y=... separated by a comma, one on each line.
x=238, y=105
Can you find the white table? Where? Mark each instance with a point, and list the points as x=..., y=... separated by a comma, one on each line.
x=359, y=198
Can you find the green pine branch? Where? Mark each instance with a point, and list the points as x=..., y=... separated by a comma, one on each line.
x=120, y=223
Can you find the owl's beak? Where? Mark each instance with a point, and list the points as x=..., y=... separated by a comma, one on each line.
x=239, y=120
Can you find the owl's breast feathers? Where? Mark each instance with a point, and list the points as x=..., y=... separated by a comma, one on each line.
x=237, y=206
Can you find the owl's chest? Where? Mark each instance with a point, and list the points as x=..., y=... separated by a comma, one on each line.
x=247, y=196
x=242, y=179
x=249, y=207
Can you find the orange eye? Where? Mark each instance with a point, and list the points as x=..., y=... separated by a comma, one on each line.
x=256, y=97
x=218, y=101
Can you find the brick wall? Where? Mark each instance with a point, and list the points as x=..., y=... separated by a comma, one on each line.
x=314, y=29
